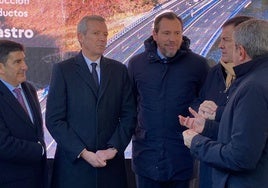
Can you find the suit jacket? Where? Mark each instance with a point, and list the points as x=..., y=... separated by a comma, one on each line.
x=21, y=161
x=80, y=116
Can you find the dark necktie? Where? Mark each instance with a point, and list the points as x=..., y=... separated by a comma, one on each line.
x=20, y=98
x=95, y=74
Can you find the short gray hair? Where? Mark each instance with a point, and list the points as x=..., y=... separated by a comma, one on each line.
x=252, y=35
x=82, y=25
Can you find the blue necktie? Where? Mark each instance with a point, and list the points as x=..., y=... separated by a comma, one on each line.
x=95, y=74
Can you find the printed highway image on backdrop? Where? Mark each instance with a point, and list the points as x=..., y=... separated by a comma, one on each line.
x=48, y=30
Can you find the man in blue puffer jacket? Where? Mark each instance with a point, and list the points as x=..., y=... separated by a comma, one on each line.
x=166, y=78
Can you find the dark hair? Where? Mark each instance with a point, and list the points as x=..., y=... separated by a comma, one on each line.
x=168, y=15
x=7, y=46
x=235, y=21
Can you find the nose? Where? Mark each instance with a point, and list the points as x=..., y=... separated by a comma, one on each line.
x=173, y=37
x=221, y=45
x=24, y=66
x=103, y=37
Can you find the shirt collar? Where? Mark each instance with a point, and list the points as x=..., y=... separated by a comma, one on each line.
x=9, y=86
x=160, y=54
x=88, y=61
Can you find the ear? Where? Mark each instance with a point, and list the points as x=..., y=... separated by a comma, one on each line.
x=2, y=68
x=242, y=54
x=154, y=35
x=80, y=38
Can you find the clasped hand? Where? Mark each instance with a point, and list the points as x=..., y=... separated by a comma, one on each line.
x=100, y=158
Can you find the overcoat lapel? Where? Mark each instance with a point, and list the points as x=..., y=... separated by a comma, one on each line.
x=106, y=74
x=84, y=72
x=32, y=104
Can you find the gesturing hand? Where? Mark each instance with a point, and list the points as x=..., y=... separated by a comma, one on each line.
x=196, y=123
x=188, y=137
x=208, y=109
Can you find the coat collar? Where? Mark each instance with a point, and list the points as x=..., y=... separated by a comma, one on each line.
x=151, y=49
x=244, y=68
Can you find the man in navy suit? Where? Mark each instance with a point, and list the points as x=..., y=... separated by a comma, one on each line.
x=22, y=147
x=90, y=113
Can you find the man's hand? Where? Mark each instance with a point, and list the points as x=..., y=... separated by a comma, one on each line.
x=188, y=136
x=106, y=154
x=93, y=158
x=197, y=123
x=208, y=109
